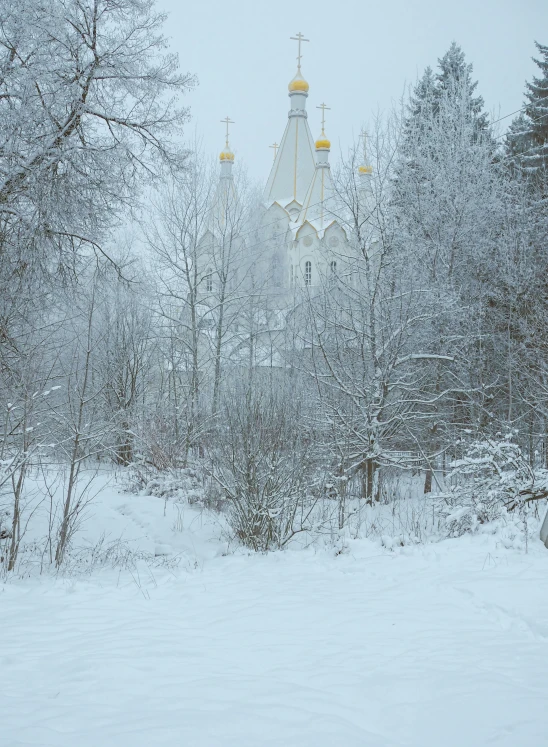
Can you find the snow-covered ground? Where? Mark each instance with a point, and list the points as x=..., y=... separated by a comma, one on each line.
x=426, y=645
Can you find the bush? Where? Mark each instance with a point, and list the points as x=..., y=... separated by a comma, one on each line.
x=263, y=465
x=492, y=477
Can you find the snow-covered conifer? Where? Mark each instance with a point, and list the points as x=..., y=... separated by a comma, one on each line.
x=537, y=116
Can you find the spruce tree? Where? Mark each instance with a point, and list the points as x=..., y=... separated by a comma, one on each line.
x=537, y=116
x=424, y=94
x=518, y=136
x=451, y=84
x=455, y=78
x=422, y=105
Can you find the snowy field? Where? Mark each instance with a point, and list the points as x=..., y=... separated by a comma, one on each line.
x=428, y=645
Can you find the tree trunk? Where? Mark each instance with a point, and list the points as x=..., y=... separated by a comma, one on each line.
x=124, y=452
x=368, y=473
x=16, y=520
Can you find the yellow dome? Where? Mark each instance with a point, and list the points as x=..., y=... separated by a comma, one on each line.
x=298, y=83
x=226, y=155
x=365, y=169
x=323, y=143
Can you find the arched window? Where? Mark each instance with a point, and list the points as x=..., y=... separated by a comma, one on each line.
x=307, y=272
x=291, y=276
x=209, y=280
x=333, y=267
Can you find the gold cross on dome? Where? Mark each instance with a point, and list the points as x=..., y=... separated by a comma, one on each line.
x=275, y=146
x=323, y=107
x=227, y=121
x=299, y=38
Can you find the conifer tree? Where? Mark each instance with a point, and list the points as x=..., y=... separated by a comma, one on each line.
x=424, y=94
x=537, y=115
x=447, y=205
x=455, y=78
x=452, y=86
x=518, y=138
x=420, y=110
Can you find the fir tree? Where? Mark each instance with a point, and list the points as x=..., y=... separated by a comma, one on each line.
x=424, y=94
x=421, y=107
x=537, y=115
x=455, y=78
x=451, y=85
x=518, y=140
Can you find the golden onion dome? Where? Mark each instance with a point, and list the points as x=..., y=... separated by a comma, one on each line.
x=365, y=169
x=298, y=84
x=226, y=155
x=323, y=143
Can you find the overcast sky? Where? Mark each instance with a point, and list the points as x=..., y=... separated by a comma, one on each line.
x=360, y=57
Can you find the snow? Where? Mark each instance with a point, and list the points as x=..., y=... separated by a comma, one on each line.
x=420, y=645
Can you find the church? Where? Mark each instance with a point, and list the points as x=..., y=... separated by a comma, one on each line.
x=302, y=242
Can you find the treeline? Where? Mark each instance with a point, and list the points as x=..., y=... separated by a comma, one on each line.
x=166, y=344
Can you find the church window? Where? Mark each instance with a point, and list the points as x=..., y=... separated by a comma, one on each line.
x=291, y=276
x=307, y=272
x=209, y=281
x=333, y=267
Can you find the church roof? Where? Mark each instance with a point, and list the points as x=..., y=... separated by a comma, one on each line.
x=318, y=204
x=293, y=166
x=224, y=207
x=225, y=201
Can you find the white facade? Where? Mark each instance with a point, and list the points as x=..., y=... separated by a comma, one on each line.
x=297, y=244
x=300, y=227
x=301, y=241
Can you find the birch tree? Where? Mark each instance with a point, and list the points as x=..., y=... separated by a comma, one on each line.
x=183, y=272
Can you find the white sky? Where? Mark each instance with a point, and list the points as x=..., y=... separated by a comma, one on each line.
x=360, y=57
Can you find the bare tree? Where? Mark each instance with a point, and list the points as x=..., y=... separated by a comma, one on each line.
x=265, y=464
x=368, y=351
x=88, y=106
x=124, y=361
x=174, y=238
x=83, y=431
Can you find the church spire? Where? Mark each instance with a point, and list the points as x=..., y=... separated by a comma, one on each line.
x=225, y=199
x=318, y=204
x=293, y=166
x=365, y=170
x=226, y=156
x=298, y=83
x=323, y=143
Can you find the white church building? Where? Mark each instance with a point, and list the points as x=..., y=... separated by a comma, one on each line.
x=302, y=241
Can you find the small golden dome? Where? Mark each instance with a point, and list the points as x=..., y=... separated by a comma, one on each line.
x=323, y=143
x=298, y=83
x=226, y=155
x=365, y=169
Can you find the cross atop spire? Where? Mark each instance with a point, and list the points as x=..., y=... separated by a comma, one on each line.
x=275, y=146
x=323, y=107
x=365, y=168
x=299, y=38
x=363, y=136
x=228, y=122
